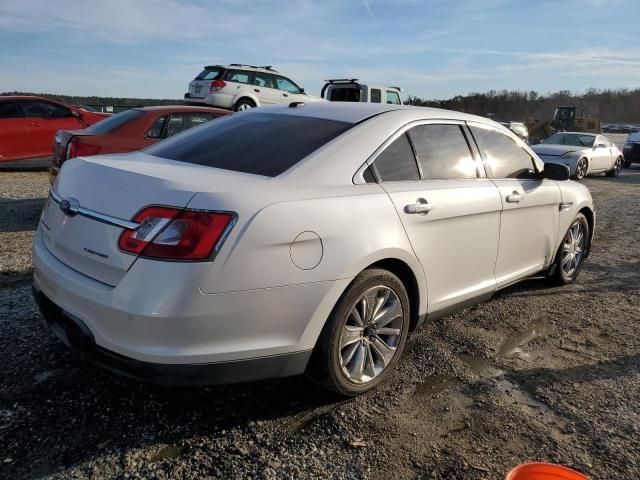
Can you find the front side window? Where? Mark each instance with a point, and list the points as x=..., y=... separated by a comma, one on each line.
x=376, y=96
x=157, y=128
x=287, y=85
x=41, y=109
x=503, y=155
x=443, y=152
x=393, y=98
x=397, y=162
x=264, y=80
x=9, y=110
x=239, y=76
x=272, y=150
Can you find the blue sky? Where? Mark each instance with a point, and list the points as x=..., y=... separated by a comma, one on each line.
x=431, y=48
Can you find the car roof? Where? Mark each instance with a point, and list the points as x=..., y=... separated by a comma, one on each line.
x=581, y=133
x=240, y=66
x=180, y=108
x=27, y=97
x=355, y=112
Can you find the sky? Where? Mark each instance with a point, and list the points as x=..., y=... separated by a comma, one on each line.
x=433, y=49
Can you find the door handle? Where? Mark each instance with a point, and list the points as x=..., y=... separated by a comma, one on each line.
x=419, y=208
x=515, y=197
x=256, y=89
x=285, y=95
x=34, y=124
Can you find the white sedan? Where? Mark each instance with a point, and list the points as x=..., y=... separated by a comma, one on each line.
x=583, y=153
x=301, y=238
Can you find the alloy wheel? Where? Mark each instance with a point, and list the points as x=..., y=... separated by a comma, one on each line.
x=581, y=168
x=617, y=166
x=371, y=334
x=243, y=106
x=573, y=247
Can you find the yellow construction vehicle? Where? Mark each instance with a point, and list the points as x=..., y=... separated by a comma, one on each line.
x=564, y=119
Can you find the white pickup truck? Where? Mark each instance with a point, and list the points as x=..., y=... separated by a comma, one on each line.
x=352, y=90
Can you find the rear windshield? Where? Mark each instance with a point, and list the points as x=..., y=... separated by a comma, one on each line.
x=255, y=142
x=109, y=124
x=210, y=73
x=345, y=94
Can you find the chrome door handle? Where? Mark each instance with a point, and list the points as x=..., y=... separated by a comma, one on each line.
x=415, y=208
x=515, y=197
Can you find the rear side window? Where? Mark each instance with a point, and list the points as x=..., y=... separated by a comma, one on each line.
x=277, y=142
x=443, y=152
x=376, y=95
x=109, y=124
x=239, y=76
x=345, y=94
x=210, y=73
x=397, y=162
x=264, y=80
x=504, y=156
x=9, y=110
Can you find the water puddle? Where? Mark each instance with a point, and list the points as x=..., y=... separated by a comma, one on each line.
x=538, y=328
x=479, y=366
x=436, y=384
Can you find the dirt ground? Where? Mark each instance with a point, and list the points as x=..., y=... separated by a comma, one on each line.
x=537, y=373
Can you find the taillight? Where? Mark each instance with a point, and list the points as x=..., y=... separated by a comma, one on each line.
x=175, y=234
x=77, y=149
x=216, y=84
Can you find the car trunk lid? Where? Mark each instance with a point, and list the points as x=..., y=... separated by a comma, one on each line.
x=111, y=190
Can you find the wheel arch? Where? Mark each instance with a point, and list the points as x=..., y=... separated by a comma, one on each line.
x=591, y=220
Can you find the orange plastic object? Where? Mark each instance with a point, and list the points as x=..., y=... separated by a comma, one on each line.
x=544, y=471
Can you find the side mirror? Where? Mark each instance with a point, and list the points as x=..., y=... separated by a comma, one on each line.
x=555, y=171
x=75, y=113
x=302, y=90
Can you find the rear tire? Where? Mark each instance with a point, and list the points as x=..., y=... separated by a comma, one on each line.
x=242, y=105
x=364, y=336
x=572, y=252
x=617, y=166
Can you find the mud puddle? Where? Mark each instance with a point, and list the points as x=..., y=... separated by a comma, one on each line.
x=540, y=327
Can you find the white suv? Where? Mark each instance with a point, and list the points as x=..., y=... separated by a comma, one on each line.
x=240, y=87
x=351, y=90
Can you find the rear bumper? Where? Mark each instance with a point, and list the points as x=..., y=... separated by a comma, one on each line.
x=74, y=333
x=220, y=100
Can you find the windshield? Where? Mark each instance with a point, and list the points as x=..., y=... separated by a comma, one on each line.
x=210, y=73
x=574, y=139
x=258, y=143
x=109, y=124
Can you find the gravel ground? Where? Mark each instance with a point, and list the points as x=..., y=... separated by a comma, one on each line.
x=537, y=373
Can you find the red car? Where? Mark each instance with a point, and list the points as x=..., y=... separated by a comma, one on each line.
x=28, y=124
x=128, y=131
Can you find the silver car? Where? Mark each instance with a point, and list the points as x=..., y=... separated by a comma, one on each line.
x=583, y=153
x=297, y=238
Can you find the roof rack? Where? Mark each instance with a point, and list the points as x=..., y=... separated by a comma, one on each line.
x=341, y=80
x=266, y=67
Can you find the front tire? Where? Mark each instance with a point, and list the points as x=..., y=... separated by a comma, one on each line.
x=571, y=254
x=617, y=166
x=364, y=336
x=581, y=169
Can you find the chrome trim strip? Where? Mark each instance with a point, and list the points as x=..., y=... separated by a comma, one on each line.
x=97, y=216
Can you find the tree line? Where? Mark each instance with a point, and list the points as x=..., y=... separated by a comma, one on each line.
x=610, y=106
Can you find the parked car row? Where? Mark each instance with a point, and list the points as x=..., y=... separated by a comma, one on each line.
x=302, y=238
